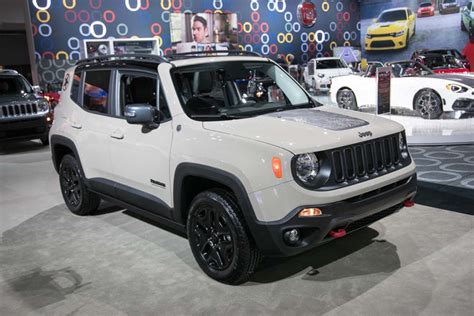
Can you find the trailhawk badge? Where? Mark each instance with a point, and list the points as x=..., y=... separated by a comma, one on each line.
x=306, y=13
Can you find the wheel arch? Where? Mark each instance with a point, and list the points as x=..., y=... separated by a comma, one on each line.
x=191, y=179
x=61, y=146
x=427, y=89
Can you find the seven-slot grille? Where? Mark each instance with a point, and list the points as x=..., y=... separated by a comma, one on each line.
x=19, y=109
x=368, y=159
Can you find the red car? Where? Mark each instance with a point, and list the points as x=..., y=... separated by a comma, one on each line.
x=51, y=93
x=425, y=9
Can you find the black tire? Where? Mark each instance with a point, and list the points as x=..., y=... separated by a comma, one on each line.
x=77, y=197
x=219, y=238
x=414, y=30
x=428, y=104
x=346, y=99
x=463, y=27
x=44, y=141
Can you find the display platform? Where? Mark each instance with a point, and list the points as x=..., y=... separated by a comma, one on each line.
x=451, y=128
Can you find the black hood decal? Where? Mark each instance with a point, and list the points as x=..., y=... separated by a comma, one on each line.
x=322, y=119
x=466, y=80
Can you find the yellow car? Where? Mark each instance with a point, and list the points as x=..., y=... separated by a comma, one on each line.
x=391, y=30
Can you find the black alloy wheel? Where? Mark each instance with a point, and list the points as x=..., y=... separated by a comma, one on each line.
x=75, y=193
x=219, y=239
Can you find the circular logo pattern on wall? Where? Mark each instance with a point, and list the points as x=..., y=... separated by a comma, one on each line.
x=306, y=13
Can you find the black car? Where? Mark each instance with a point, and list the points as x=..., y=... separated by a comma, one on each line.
x=24, y=115
x=458, y=57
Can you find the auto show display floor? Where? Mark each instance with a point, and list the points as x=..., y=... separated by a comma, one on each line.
x=416, y=262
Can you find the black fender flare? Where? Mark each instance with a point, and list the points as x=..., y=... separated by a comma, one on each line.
x=223, y=177
x=66, y=142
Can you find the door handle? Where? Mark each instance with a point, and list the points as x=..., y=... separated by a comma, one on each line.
x=117, y=134
x=76, y=125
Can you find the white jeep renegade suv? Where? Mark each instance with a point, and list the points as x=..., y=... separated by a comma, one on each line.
x=228, y=149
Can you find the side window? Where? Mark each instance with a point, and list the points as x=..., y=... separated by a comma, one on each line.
x=96, y=91
x=141, y=89
x=76, y=83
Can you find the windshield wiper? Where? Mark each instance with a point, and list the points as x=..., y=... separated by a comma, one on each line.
x=217, y=116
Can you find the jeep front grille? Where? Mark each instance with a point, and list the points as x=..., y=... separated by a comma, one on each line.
x=18, y=110
x=359, y=162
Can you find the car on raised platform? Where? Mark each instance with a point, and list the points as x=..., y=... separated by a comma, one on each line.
x=413, y=86
x=227, y=148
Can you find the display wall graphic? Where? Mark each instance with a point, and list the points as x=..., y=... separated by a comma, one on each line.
x=269, y=27
x=429, y=28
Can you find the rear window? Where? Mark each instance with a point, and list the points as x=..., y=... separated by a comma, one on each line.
x=426, y=4
x=96, y=91
x=76, y=84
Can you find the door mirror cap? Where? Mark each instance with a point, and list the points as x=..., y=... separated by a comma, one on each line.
x=142, y=114
x=37, y=89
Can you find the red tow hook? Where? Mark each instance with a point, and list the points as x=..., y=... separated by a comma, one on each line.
x=337, y=233
x=408, y=203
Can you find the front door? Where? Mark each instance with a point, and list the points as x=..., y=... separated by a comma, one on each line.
x=140, y=156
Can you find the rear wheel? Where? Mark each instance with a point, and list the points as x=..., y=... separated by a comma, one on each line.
x=428, y=104
x=463, y=27
x=219, y=239
x=346, y=99
x=77, y=197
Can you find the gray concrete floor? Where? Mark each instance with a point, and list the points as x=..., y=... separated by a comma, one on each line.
x=416, y=262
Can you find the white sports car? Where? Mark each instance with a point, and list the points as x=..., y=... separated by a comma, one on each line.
x=413, y=86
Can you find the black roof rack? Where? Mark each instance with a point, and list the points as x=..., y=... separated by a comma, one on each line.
x=144, y=57
x=212, y=53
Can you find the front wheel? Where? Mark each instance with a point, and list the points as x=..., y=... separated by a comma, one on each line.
x=218, y=238
x=428, y=104
x=463, y=27
x=77, y=197
x=346, y=99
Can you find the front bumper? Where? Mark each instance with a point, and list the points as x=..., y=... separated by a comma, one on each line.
x=350, y=214
x=421, y=14
x=385, y=42
x=24, y=129
x=464, y=105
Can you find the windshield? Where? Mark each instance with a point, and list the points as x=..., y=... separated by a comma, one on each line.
x=409, y=69
x=237, y=89
x=11, y=85
x=426, y=4
x=329, y=63
x=392, y=16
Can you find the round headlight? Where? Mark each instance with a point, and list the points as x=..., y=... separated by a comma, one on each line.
x=43, y=105
x=307, y=167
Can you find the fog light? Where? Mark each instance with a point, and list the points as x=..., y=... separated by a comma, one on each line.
x=310, y=212
x=292, y=236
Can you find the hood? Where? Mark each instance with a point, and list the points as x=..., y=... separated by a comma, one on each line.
x=307, y=130
x=18, y=98
x=335, y=71
x=466, y=79
x=387, y=27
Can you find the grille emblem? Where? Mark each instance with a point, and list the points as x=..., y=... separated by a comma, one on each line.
x=365, y=134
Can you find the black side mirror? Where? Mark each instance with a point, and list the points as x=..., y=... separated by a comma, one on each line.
x=143, y=114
